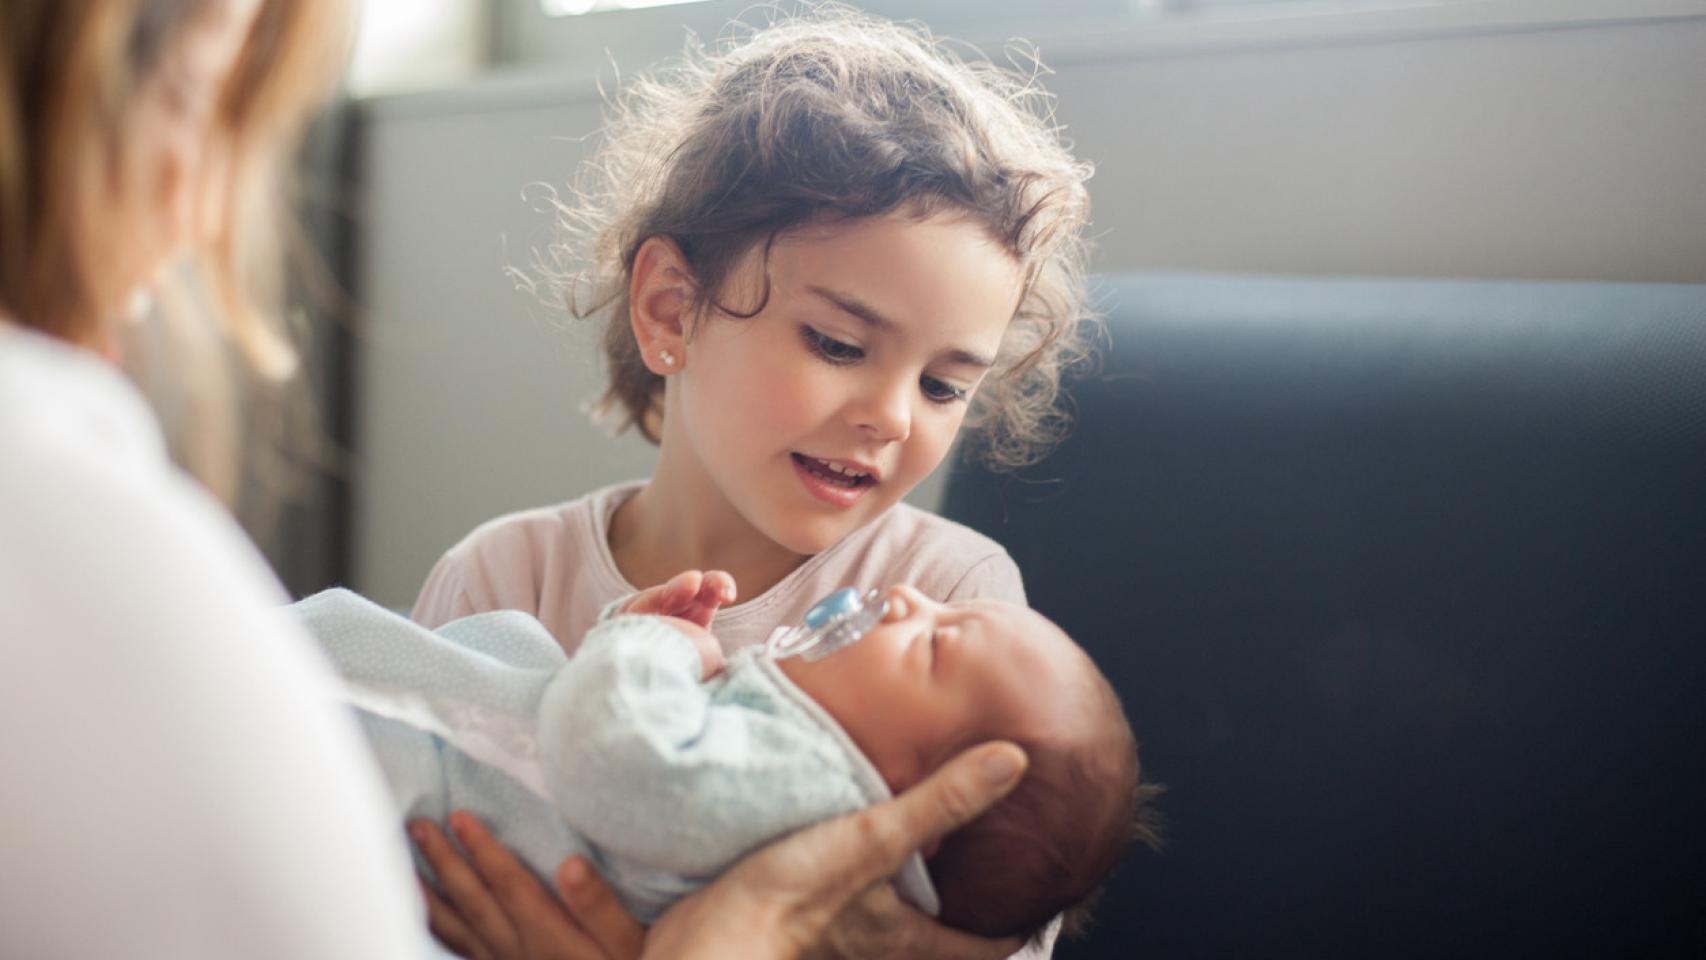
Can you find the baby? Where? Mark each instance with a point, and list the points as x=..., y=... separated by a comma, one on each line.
x=664, y=761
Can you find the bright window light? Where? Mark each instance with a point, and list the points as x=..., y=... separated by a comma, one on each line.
x=410, y=44
x=573, y=8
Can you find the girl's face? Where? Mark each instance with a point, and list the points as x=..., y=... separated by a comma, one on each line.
x=817, y=414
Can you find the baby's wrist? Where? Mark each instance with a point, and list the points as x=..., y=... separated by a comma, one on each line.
x=616, y=606
x=710, y=652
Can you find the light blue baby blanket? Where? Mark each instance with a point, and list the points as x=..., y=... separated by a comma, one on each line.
x=619, y=752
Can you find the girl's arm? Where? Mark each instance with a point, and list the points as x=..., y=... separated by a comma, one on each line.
x=460, y=586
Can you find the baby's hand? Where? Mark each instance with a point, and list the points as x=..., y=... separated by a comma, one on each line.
x=691, y=595
x=710, y=651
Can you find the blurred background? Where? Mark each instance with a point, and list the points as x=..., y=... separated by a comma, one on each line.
x=1526, y=139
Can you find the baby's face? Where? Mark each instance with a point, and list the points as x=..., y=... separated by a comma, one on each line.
x=932, y=676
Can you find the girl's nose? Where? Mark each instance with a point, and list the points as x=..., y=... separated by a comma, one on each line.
x=884, y=412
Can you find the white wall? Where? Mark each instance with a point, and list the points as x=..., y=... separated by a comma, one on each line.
x=1573, y=153
x=470, y=393
x=1571, y=148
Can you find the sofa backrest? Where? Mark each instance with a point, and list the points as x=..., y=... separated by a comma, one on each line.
x=1403, y=585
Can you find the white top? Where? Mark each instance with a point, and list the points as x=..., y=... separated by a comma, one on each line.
x=178, y=781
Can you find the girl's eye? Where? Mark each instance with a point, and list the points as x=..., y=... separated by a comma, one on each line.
x=937, y=391
x=830, y=349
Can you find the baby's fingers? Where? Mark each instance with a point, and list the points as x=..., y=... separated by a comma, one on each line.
x=669, y=598
x=716, y=588
x=682, y=589
x=719, y=586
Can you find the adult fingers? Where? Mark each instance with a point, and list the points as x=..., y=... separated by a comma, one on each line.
x=483, y=919
x=502, y=873
x=596, y=909
x=927, y=938
x=447, y=925
x=542, y=928
x=877, y=924
x=956, y=793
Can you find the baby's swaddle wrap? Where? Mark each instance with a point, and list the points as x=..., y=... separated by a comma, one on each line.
x=619, y=752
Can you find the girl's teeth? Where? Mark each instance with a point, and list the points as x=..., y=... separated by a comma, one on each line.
x=846, y=476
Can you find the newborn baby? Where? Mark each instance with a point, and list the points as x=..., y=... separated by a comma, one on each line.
x=664, y=761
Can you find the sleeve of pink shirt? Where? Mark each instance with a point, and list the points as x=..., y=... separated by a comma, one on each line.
x=478, y=575
x=443, y=597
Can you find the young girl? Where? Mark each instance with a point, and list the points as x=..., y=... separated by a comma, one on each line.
x=820, y=252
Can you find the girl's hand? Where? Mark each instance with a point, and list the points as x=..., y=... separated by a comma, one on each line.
x=824, y=892
x=490, y=907
x=692, y=595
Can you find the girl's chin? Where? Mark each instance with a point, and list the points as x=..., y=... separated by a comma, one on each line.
x=814, y=535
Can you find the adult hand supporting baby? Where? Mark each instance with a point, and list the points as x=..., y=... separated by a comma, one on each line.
x=821, y=892
x=824, y=891
x=488, y=906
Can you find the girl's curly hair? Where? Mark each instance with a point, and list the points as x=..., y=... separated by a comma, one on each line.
x=827, y=114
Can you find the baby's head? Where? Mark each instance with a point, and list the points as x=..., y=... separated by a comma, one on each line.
x=933, y=679
x=825, y=118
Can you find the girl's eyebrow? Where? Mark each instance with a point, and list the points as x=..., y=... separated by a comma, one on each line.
x=874, y=318
x=852, y=304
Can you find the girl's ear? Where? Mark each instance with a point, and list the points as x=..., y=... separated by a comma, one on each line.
x=659, y=294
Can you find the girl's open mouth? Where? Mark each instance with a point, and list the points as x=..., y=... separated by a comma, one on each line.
x=850, y=478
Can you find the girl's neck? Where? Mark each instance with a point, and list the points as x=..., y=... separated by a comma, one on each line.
x=673, y=524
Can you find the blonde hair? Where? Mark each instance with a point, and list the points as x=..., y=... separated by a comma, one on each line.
x=71, y=71
x=834, y=114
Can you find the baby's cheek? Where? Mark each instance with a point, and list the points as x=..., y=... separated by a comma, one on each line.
x=921, y=747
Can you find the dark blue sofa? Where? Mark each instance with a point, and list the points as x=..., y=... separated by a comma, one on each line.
x=1403, y=584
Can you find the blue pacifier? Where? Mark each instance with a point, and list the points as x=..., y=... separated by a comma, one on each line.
x=832, y=623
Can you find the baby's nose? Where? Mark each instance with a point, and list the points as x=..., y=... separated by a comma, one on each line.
x=903, y=601
x=896, y=601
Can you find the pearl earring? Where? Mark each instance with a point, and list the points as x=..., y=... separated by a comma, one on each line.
x=667, y=358
x=139, y=305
